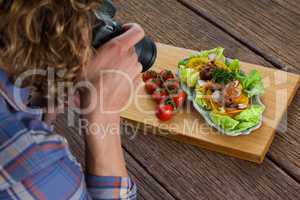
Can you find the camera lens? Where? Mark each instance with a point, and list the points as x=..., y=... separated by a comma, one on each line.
x=147, y=53
x=145, y=49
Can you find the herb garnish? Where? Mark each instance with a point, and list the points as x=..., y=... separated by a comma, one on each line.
x=223, y=76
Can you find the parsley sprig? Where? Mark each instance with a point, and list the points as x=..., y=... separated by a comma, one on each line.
x=223, y=76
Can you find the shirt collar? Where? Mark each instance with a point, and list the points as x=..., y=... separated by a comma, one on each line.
x=19, y=96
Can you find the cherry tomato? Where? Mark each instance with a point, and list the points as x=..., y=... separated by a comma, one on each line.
x=164, y=112
x=149, y=74
x=171, y=85
x=166, y=109
x=179, y=98
x=152, y=85
x=167, y=74
x=159, y=94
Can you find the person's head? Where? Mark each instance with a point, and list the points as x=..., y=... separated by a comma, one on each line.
x=41, y=34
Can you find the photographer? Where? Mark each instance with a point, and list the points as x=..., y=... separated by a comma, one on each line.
x=57, y=35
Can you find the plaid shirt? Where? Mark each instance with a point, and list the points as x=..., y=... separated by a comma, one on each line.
x=37, y=164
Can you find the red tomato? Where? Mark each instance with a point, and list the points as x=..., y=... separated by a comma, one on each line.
x=166, y=109
x=167, y=74
x=159, y=94
x=164, y=112
x=149, y=74
x=171, y=85
x=152, y=85
x=179, y=98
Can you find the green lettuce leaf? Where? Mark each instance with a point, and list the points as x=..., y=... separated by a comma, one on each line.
x=183, y=62
x=188, y=76
x=201, y=101
x=234, y=66
x=225, y=122
x=182, y=73
x=252, y=83
x=192, y=78
x=252, y=114
x=219, y=52
x=252, y=78
x=244, y=126
x=256, y=89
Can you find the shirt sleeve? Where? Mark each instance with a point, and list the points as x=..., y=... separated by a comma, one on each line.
x=100, y=187
x=37, y=164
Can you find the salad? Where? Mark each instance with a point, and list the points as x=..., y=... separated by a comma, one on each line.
x=222, y=93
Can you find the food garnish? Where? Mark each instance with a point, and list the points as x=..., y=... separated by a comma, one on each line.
x=226, y=96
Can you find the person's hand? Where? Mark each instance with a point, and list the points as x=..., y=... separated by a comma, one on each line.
x=112, y=74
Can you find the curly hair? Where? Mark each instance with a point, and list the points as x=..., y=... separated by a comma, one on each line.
x=43, y=34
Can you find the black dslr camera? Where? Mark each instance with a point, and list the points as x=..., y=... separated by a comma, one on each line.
x=106, y=28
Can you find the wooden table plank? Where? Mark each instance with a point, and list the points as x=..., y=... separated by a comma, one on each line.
x=168, y=22
x=291, y=5
x=276, y=36
x=264, y=26
x=285, y=150
x=148, y=187
x=189, y=173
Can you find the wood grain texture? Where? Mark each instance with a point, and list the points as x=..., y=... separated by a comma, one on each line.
x=148, y=187
x=188, y=125
x=290, y=5
x=285, y=150
x=192, y=174
x=264, y=26
x=170, y=23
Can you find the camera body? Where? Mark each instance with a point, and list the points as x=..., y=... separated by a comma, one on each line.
x=107, y=28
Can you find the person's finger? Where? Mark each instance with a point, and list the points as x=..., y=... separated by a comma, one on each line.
x=139, y=68
x=135, y=68
x=128, y=26
x=137, y=81
x=132, y=35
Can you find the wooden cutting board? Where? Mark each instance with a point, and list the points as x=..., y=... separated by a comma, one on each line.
x=188, y=126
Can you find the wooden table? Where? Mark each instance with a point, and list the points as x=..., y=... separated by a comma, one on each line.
x=265, y=32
